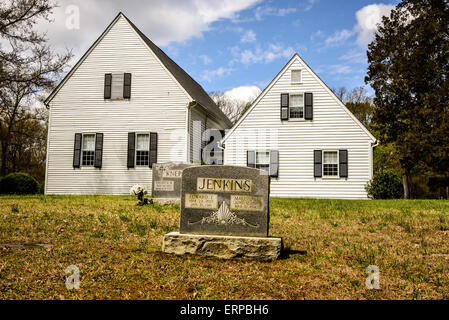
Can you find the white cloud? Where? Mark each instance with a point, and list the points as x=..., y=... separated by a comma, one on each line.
x=205, y=58
x=248, y=36
x=164, y=22
x=367, y=20
x=261, y=12
x=243, y=93
x=309, y=4
x=354, y=56
x=262, y=83
x=285, y=11
x=316, y=35
x=210, y=75
x=258, y=55
x=338, y=69
x=338, y=36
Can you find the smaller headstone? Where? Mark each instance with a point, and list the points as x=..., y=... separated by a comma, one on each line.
x=166, y=184
x=225, y=213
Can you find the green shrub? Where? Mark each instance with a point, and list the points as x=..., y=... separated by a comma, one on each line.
x=41, y=189
x=18, y=183
x=385, y=185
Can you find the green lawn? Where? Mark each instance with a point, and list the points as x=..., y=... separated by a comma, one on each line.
x=116, y=246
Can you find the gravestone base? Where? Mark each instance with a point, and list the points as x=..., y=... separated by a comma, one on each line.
x=224, y=247
x=164, y=201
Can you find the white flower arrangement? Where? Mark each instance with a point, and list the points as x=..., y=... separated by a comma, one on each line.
x=138, y=189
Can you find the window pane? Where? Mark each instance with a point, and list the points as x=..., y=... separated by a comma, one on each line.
x=264, y=167
x=117, y=86
x=330, y=169
x=263, y=158
x=330, y=163
x=296, y=100
x=88, y=158
x=330, y=157
x=296, y=76
x=297, y=106
x=89, y=142
x=142, y=158
x=297, y=112
x=143, y=142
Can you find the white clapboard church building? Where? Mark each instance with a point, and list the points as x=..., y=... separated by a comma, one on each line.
x=304, y=137
x=124, y=106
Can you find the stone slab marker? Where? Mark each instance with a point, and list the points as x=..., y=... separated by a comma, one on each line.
x=225, y=213
x=225, y=200
x=166, y=182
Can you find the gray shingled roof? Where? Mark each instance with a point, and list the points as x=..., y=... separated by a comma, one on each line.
x=191, y=86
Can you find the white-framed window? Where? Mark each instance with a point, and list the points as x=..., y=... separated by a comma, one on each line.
x=88, y=150
x=330, y=163
x=296, y=106
x=142, y=149
x=117, y=86
x=296, y=76
x=263, y=160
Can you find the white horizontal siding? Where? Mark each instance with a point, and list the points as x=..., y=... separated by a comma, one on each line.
x=205, y=123
x=332, y=128
x=197, y=127
x=157, y=104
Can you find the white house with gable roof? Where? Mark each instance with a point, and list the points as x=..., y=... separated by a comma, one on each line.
x=124, y=106
x=304, y=137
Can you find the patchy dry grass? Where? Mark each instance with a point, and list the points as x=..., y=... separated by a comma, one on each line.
x=116, y=246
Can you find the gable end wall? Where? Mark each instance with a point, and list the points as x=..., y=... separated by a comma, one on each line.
x=332, y=128
x=157, y=104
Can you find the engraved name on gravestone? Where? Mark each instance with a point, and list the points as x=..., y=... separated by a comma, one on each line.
x=225, y=200
x=166, y=184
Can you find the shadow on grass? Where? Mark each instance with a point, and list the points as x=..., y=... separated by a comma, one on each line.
x=287, y=252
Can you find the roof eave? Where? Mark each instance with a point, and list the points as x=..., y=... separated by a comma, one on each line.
x=78, y=63
x=225, y=123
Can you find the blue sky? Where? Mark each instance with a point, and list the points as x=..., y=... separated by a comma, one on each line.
x=226, y=44
x=322, y=33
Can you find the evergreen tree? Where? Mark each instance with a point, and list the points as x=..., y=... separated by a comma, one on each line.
x=408, y=69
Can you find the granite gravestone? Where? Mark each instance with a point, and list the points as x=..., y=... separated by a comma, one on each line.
x=166, y=184
x=225, y=200
x=224, y=213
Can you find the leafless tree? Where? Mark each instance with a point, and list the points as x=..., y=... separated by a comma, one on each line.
x=358, y=102
x=341, y=93
x=28, y=67
x=234, y=109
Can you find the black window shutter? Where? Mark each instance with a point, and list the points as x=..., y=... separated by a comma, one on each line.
x=131, y=148
x=153, y=148
x=308, y=115
x=343, y=157
x=127, y=86
x=274, y=163
x=317, y=163
x=77, y=150
x=107, y=85
x=285, y=102
x=98, y=150
x=251, y=159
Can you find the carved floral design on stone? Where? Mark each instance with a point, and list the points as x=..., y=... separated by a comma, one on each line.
x=224, y=216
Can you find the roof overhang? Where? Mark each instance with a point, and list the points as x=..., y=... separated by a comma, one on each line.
x=270, y=85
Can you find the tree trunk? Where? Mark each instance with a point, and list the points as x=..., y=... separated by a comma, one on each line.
x=4, y=157
x=405, y=184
